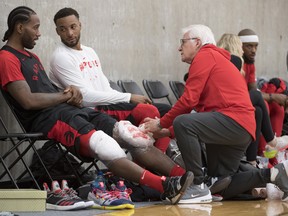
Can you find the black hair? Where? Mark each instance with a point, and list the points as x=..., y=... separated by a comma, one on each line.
x=19, y=14
x=64, y=12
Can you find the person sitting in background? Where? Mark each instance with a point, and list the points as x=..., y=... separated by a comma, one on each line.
x=75, y=64
x=233, y=44
x=224, y=122
x=275, y=101
x=84, y=131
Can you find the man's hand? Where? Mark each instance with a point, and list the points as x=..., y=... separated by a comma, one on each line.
x=162, y=133
x=280, y=99
x=151, y=125
x=76, y=96
x=139, y=99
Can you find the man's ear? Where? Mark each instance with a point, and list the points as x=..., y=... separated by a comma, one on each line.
x=19, y=28
x=57, y=31
x=199, y=43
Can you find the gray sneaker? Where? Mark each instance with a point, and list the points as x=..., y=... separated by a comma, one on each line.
x=174, y=187
x=196, y=194
x=281, y=179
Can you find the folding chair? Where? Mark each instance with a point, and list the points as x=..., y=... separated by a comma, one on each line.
x=155, y=89
x=130, y=86
x=114, y=86
x=177, y=88
x=17, y=140
x=31, y=139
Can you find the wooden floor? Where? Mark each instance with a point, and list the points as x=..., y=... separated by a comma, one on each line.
x=239, y=208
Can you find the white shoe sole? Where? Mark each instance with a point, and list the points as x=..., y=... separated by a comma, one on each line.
x=199, y=200
x=78, y=205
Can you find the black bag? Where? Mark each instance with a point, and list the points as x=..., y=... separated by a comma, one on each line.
x=57, y=165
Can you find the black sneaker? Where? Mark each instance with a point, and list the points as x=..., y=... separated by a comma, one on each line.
x=174, y=187
x=216, y=184
x=281, y=178
x=73, y=194
x=59, y=200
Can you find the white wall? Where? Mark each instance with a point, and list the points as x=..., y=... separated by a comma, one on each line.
x=137, y=39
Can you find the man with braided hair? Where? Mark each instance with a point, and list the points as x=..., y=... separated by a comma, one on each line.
x=59, y=116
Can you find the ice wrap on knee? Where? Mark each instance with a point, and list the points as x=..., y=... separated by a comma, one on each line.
x=129, y=136
x=105, y=147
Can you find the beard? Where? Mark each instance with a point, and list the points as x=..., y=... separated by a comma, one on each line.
x=248, y=61
x=27, y=42
x=71, y=44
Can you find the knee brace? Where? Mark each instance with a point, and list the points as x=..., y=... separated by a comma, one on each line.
x=105, y=147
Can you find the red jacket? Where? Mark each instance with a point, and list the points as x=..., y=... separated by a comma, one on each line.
x=214, y=84
x=250, y=75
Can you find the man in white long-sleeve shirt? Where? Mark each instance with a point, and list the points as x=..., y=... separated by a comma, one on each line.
x=75, y=64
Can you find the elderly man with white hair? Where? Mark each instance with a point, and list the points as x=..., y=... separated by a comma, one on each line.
x=224, y=122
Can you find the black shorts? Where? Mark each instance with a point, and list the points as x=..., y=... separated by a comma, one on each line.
x=64, y=123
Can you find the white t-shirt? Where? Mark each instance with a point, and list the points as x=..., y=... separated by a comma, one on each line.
x=82, y=68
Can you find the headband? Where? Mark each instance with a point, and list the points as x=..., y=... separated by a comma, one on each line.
x=249, y=39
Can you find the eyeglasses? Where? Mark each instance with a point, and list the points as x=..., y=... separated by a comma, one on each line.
x=182, y=41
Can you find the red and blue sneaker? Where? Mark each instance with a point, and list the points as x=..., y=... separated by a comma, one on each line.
x=104, y=199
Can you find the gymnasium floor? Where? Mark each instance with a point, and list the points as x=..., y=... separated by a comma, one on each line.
x=239, y=208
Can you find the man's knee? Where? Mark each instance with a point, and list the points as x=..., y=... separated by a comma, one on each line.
x=105, y=147
x=178, y=123
x=146, y=110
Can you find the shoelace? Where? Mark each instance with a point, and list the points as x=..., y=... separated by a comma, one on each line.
x=122, y=194
x=72, y=193
x=107, y=195
x=61, y=193
x=170, y=190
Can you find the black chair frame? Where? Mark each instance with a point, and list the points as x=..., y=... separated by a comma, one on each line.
x=32, y=138
x=155, y=89
x=130, y=86
x=177, y=88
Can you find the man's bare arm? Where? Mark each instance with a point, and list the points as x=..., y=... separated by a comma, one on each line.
x=21, y=92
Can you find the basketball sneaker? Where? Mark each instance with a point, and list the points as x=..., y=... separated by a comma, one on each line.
x=104, y=199
x=59, y=200
x=73, y=194
x=279, y=177
x=216, y=184
x=273, y=192
x=175, y=186
x=122, y=192
x=196, y=194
